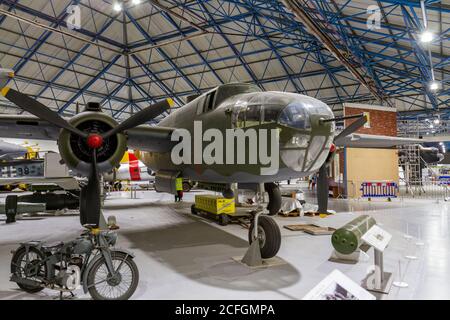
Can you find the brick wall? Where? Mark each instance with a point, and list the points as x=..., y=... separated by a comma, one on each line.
x=381, y=122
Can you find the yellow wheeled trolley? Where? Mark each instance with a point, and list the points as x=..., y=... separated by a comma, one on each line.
x=223, y=209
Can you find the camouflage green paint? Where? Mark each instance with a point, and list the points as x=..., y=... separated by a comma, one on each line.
x=347, y=239
x=221, y=118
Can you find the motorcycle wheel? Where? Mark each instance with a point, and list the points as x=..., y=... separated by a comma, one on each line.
x=103, y=287
x=20, y=262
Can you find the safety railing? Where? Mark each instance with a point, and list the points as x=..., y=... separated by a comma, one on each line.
x=379, y=189
x=434, y=188
x=431, y=189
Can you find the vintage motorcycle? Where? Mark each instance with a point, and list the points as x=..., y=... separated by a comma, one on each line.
x=106, y=273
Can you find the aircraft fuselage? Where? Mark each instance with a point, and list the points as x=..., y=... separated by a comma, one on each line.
x=237, y=133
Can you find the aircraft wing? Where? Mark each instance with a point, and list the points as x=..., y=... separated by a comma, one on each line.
x=143, y=138
x=19, y=162
x=67, y=183
x=156, y=139
x=27, y=127
x=10, y=151
x=357, y=140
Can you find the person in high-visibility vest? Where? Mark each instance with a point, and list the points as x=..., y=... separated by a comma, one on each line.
x=179, y=189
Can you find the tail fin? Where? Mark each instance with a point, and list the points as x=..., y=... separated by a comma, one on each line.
x=132, y=157
x=128, y=157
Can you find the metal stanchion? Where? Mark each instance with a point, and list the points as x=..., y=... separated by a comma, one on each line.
x=379, y=281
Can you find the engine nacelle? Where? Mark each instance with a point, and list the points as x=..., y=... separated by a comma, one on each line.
x=76, y=153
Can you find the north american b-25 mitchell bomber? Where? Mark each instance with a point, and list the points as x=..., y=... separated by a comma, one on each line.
x=235, y=133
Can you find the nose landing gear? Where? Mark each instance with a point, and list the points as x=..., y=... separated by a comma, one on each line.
x=264, y=236
x=267, y=233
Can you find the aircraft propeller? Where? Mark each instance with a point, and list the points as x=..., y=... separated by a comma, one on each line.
x=90, y=205
x=322, y=180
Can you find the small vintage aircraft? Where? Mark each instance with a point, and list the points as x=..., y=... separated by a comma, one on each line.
x=131, y=169
x=9, y=151
x=230, y=124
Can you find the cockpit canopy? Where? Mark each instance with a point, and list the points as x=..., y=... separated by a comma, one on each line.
x=212, y=99
x=291, y=110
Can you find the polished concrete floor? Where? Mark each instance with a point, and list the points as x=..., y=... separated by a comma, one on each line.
x=181, y=256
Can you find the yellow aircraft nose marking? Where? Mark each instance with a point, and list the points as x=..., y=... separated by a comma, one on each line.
x=11, y=74
x=5, y=91
x=170, y=102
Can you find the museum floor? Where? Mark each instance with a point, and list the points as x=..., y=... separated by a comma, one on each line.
x=181, y=256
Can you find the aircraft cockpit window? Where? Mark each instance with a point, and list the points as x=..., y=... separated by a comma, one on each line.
x=248, y=116
x=209, y=101
x=200, y=106
x=295, y=116
x=253, y=116
x=240, y=119
x=271, y=113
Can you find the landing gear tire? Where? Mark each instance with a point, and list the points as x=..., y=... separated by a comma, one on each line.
x=194, y=210
x=269, y=236
x=224, y=219
x=273, y=190
x=186, y=186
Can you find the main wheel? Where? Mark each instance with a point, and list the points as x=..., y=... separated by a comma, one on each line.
x=186, y=186
x=269, y=236
x=29, y=266
x=224, y=219
x=273, y=190
x=103, y=286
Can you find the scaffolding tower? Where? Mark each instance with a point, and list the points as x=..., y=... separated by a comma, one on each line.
x=411, y=163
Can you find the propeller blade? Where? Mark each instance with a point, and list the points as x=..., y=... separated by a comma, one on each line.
x=351, y=128
x=142, y=117
x=322, y=190
x=92, y=200
x=83, y=206
x=39, y=110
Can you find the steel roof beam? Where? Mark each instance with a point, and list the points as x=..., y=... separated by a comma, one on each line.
x=231, y=45
x=89, y=83
x=51, y=19
x=303, y=17
x=422, y=58
x=161, y=52
x=160, y=83
x=76, y=57
x=287, y=69
x=40, y=82
x=41, y=40
x=10, y=8
x=202, y=58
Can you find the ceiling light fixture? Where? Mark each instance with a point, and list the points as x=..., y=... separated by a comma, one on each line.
x=136, y=2
x=117, y=6
x=426, y=36
x=434, y=85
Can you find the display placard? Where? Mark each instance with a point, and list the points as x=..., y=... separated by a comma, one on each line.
x=377, y=238
x=337, y=286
